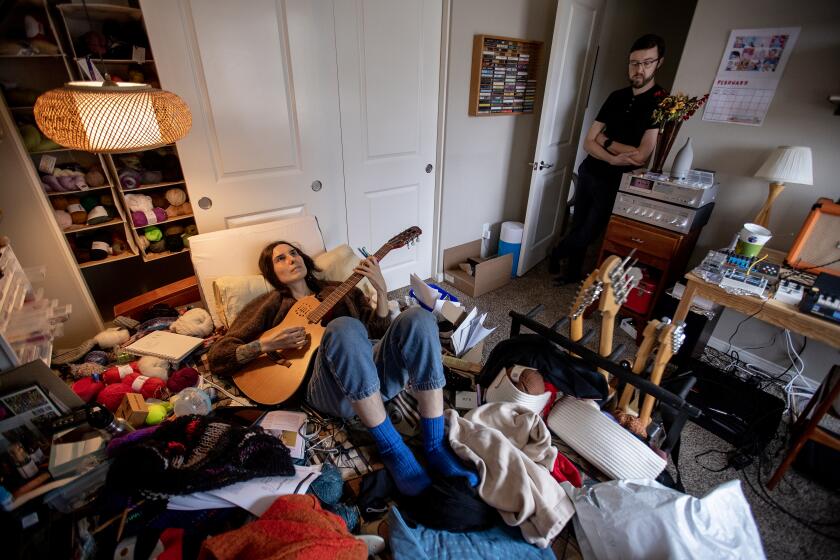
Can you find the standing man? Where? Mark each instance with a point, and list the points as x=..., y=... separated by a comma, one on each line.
x=621, y=139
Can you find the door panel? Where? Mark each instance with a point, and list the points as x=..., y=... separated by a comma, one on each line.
x=388, y=63
x=260, y=79
x=570, y=67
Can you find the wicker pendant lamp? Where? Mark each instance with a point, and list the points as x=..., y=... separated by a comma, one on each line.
x=112, y=117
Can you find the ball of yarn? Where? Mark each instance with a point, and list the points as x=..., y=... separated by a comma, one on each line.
x=76, y=210
x=149, y=387
x=97, y=357
x=157, y=247
x=150, y=177
x=195, y=322
x=632, y=424
x=100, y=248
x=129, y=179
x=153, y=216
x=153, y=234
x=181, y=379
x=176, y=197
x=86, y=369
x=139, y=202
x=118, y=245
x=112, y=337
x=88, y=388
x=59, y=203
x=531, y=382
x=98, y=215
x=95, y=178
x=173, y=230
x=153, y=366
x=159, y=200
x=63, y=219
x=50, y=184
x=116, y=374
x=106, y=200
x=180, y=210
x=157, y=412
x=173, y=243
x=189, y=231
x=89, y=201
x=112, y=395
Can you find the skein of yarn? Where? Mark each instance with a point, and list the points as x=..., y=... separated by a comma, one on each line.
x=110, y=338
x=195, y=322
x=153, y=366
x=176, y=197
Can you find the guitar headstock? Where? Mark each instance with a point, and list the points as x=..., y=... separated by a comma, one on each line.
x=406, y=237
x=671, y=337
x=588, y=292
x=618, y=278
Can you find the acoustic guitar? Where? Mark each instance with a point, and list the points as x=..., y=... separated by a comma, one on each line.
x=273, y=379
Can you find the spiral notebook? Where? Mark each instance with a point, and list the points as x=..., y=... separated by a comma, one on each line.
x=164, y=344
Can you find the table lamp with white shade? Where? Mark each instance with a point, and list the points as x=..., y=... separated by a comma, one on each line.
x=786, y=164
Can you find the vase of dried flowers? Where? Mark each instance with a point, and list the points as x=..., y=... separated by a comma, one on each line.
x=672, y=111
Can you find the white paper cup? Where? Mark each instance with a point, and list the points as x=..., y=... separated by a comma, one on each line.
x=751, y=240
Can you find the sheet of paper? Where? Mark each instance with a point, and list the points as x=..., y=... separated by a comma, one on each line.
x=286, y=425
x=423, y=292
x=470, y=332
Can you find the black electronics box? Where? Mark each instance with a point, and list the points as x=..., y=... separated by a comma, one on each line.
x=733, y=409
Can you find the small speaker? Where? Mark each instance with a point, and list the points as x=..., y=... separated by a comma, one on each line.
x=817, y=247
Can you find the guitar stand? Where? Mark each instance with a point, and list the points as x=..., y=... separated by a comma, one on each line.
x=682, y=409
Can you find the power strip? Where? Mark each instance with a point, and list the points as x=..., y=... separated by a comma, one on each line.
x=789, y=292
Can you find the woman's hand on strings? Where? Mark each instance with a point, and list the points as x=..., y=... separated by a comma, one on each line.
x=283, y=338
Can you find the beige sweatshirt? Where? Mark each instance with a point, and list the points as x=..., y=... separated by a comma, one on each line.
x=510, y=447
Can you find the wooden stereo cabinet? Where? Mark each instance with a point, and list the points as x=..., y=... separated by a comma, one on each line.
x=662, y=254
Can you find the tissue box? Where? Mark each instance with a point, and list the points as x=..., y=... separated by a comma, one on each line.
x=490, y=274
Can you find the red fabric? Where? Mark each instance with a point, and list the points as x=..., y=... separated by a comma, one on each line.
x=173, y=544
x=564, y=470
x=181, y=379
x=87, y=388
x=294, y=527
x=112, y=374
x=550, y=388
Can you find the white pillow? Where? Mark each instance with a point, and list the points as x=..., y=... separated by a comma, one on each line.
x=233, y=293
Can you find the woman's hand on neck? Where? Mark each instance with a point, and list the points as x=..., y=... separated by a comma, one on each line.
x=299, y=289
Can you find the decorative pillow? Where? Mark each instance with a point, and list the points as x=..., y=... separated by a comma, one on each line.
x=338, y=264
x=233, y=293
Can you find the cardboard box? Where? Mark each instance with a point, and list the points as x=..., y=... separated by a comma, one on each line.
x=490, y=274
x=133, y=409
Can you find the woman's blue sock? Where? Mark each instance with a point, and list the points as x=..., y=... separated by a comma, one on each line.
x=439, y=455
x=408, y=474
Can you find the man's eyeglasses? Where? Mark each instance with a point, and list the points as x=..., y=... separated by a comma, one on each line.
x=636, y=64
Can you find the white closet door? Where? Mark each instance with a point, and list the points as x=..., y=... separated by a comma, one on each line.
x=388, y=63
x=570, y=65
x=260, y=79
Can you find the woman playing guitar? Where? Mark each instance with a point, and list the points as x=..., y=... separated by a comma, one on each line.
x=351, y=374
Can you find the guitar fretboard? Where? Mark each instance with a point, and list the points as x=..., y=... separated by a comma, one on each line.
x=318, y=314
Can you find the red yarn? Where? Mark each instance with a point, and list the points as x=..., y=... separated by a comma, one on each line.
x=149, y=387
x=181, y=379
x=116, y=374
x=87, y=388
x=112, y=395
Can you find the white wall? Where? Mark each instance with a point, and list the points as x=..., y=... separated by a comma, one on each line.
x=799, y=115
x=485, y=176
x=624, y=22
x=36, y=239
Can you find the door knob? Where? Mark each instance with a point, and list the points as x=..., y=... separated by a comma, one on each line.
x=539, y=166
x=316, y=185
x=429, y=168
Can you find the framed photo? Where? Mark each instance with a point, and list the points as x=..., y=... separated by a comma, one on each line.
x=21, y=410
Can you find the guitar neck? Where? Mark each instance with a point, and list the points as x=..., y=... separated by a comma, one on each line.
x=318, y=314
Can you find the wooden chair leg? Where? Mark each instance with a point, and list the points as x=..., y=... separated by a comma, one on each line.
x=805, y=427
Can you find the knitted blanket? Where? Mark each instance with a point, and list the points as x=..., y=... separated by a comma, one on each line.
x=196, y=453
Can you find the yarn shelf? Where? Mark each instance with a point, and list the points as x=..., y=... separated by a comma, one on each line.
x=155, y=256
x=84, y=227
x=109, y=259
x=31, y=55
x=166, y=221
x=80, y=191
x=154, y=186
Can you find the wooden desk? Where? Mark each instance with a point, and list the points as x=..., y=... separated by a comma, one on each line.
x=770, y=311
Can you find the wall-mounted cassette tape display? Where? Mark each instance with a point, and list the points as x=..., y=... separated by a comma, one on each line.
x=504, y=76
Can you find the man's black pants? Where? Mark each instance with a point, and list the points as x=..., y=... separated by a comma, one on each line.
x=595, y=193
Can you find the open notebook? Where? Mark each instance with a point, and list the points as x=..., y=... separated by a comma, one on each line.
x=164, y=344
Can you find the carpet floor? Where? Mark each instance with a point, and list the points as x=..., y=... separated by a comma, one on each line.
x=816, y=533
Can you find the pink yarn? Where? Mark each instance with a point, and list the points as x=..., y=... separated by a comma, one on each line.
x=140, y=219
x=116, y=374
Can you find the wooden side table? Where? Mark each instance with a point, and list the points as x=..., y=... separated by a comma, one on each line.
x=662, y=252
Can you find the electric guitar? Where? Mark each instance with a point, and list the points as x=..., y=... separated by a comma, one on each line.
x=587, y=294
x=618, y=280
x=273, y=379
x=671, y=337
x=650, y=336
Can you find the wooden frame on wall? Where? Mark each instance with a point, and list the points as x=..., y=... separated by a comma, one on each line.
x=504, y=76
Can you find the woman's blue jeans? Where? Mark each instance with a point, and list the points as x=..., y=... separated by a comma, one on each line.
x=350, y=367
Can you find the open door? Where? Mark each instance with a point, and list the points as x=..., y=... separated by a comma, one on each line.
x=570, y=66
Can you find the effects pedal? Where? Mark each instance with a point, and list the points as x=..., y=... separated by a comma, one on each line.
x=747, y=274
x=789, y=292
x=823, y=299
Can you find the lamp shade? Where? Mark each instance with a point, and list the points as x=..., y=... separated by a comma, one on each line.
x=788, y=164
x=112, y=117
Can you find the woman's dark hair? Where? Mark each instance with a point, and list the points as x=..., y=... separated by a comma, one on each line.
x=648, y=42
x=266, y=264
